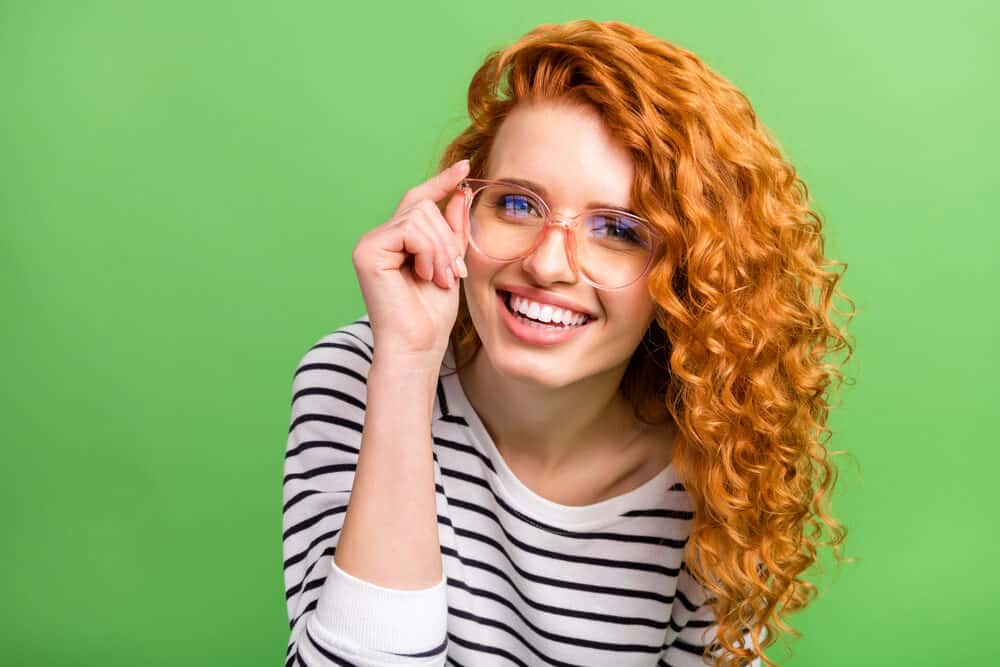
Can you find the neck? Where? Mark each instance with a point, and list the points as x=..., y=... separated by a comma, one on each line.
x=554, y=429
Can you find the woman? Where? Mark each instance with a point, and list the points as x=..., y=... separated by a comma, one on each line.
x=579, y=421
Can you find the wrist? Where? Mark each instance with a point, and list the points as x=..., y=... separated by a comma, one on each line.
x=406, y=367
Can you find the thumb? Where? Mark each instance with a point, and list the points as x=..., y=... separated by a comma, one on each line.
x=455, y=214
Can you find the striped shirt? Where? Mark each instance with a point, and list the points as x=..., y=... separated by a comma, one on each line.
x=526, y=581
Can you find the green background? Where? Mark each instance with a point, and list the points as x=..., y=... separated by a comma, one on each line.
x=183, y=184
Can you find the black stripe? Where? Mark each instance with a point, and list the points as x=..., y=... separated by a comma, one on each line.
x=483, y=648
x=329, y=419
x=442, y=399
x=440, y=648
x=353, y=349
x=332, y=393
x=309, y=607
x=662, y=513
x=321, y=470
x=555, y=611
x=589, y=535
x=360, y=339
x=297, y=588
x=465, y=449
x=314, y=584
x=678, y=628
x=314, y=519
x=554, y=555
x=337, y=368
x=690, y=606
x=296, y=498
x=559, y=583
x=454, y=419
x=309, y=444
x=571, y=641
x=693, y=649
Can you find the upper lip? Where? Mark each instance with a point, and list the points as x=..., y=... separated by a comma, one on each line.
x=542, y=296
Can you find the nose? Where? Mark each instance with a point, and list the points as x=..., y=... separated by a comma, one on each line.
x=553, y=260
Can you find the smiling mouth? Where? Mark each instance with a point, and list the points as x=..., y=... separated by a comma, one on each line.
x=505, y=296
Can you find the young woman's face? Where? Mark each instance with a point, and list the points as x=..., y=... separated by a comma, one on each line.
x=568, y=152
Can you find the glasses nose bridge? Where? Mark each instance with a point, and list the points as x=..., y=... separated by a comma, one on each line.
x=569, y=225
x=565, y=224
x=566, y=221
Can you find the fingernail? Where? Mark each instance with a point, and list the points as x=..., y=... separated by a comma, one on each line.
x=451, y=276
x=461, y=163
x=462, y=270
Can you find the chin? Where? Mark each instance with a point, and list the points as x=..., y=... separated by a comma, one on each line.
x=523, y=366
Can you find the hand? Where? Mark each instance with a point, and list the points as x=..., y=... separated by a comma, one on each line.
x=403, y=270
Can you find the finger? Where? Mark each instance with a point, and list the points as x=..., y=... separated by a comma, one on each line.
x=399, y=239
x=417, y=242
x=451, y=240
x=457, y=220
x=445, y=241
x=454, y=214
x=437, y=186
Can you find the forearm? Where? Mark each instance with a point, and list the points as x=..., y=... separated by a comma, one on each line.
x=390, y=535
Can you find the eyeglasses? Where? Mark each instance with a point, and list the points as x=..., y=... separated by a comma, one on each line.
x=611, y=249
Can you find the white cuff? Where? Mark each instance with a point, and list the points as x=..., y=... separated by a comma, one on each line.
x=379, y=618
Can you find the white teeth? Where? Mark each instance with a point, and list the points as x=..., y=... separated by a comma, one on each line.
x=546, y=312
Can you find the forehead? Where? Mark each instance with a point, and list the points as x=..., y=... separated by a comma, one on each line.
x=567, y=149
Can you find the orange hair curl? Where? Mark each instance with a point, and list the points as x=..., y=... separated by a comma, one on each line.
x=743, y=297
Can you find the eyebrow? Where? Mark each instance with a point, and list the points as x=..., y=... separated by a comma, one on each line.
x=540, y=189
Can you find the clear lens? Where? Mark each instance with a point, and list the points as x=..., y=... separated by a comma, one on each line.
x=505, y=221
x=612, y=249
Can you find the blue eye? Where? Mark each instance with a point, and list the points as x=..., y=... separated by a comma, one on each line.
x=517, y=206
x=618, y=228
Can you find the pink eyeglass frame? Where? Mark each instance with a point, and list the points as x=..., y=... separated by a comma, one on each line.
x=550, y=219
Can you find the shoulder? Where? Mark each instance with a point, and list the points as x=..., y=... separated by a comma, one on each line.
x=352, y=338
x=335, y=366
x=349, y=346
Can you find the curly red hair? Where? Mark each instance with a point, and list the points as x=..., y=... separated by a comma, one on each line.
x=744, y=306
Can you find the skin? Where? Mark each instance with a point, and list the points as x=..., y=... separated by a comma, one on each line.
x=555, y=413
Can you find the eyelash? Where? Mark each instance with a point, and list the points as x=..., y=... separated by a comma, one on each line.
x=504, y=206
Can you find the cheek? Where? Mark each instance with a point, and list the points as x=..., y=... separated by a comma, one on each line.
x=478, y=288
x=630, y=308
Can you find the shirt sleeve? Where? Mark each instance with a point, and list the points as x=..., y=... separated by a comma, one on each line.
x=334, y=617
x=693, y=625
